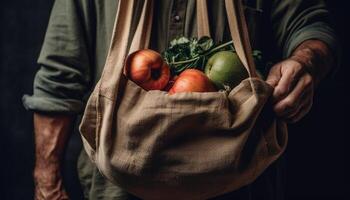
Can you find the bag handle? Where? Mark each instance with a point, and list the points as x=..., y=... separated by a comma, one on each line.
x=119, y=44
x=202, y=18
x=142, y=35
x=118, y=49
x=239, y=33
x=238, y=28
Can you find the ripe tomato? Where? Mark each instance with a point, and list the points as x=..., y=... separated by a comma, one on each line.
x=147, y=69
x=192, y=80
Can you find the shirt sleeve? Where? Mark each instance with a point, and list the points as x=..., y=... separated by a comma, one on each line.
x=65, y=60
x=295, y=21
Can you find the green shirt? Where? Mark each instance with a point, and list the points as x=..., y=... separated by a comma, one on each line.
x=79, y=33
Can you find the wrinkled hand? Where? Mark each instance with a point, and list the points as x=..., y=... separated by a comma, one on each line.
x=293, y=90
x=48, y=183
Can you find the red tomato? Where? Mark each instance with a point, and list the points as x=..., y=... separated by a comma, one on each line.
x=147, y=69
x=192, y=80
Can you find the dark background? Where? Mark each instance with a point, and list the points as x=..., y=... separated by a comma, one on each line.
x=317, y=150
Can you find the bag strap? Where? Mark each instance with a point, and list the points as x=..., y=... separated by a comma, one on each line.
x=238, y=29
x=142, y=35
x=202, y=18
x=119, y=44
x=239, y=33
x=119, y=50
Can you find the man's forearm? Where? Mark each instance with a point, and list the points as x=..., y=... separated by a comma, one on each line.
x=295, y=79
x=51, y=134
x=316, y=57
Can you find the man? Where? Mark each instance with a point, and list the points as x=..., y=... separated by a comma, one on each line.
x=295, y=32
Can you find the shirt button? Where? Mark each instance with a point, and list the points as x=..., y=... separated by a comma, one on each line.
x=177, y=18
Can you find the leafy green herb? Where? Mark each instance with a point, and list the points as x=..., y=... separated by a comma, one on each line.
x=184, y=53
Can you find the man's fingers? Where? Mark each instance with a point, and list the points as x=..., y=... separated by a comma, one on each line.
x=290, y=73
x=290, y=104
x=302, y=105
x=285, y=110
x=274, y=76
x=304, y=109
x=293, y=90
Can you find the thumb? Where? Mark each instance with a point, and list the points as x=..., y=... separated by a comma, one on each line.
x=274, y=76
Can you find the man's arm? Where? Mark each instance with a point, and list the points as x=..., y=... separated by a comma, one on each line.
x=59, y=86
x=295, y=79
x=316, y=57
x=51, y=134
x=295, y=21
x=308, y=44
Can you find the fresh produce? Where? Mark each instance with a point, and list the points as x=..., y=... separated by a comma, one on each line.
x=147, y=69
x=192, y=80
x=219, y=62
x=225, y=69
x=184, y=62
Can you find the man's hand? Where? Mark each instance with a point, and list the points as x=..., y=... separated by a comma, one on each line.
x=294, y=79
x=294, y=89
x=51, y=133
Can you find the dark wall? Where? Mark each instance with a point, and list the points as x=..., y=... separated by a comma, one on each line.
x=20, y=40
x=318, y=146
x=316, y=153
x=23, y=27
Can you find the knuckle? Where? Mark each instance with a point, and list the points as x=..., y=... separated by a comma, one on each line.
x=297, y=66
x=290, y=104
x=278, y=111
x=279, y=92
x=272, y=80
x=308, y=80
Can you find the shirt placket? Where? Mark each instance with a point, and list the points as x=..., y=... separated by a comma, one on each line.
x=177, y=19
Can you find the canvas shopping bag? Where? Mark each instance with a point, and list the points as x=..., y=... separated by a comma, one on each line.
x=185, y=145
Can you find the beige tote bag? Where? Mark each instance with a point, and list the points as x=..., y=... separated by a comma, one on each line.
x=185, y=145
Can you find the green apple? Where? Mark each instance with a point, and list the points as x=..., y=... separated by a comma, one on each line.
x=225, y=69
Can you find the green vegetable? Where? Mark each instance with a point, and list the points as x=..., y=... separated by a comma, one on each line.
x=184, y=53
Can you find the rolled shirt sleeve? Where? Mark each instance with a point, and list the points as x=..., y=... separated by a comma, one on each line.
x=295, y=21
x=64, y=74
